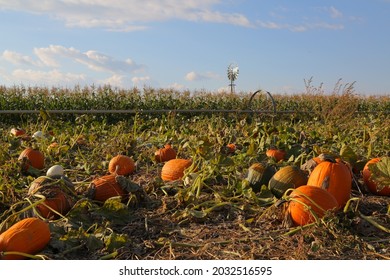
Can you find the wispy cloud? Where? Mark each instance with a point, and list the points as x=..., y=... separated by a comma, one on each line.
x=300, y=27
x=47, y=64
x=126, y=15
x=303, y=19
x=17, y=58
x=50, y=57
x=52, y=77
x=194, y=76
x=334, y=13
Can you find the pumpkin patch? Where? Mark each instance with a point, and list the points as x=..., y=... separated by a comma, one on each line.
x=162, y=179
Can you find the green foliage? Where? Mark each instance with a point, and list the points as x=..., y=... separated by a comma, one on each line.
x=217, y=189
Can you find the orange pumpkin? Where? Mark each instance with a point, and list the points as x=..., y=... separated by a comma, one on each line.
x=174, y=169
x=231, y=147
x=30, y=236
x=105, y=187
x=164, y=154
x=335, y=177
x=33, y=157
x=306, y=200
x=121, y=165
x=371, y=185
x=57, y=198
x=277, y=154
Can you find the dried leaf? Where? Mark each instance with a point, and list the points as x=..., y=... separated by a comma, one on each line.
x=127, y=184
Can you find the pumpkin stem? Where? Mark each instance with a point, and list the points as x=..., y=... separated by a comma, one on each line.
x=326, y=157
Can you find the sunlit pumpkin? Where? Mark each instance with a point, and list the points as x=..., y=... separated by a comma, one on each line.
x=121, y=165
x=174, y=169
x=305, y=203
x=164, y=154
x=105, y=187
x=29, y=236
x=335, y=177
x=285, y=178
x=371, y=184
x=33, y=157
x=277, y=154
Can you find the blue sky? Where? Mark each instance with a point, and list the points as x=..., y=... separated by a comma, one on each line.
x=277, y=45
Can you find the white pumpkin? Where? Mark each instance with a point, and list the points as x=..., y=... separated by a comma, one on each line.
x=55, y=171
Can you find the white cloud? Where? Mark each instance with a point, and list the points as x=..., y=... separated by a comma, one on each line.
x=116, y=81
x=126, y=15
x=48, y=64
x=52, y=77
x=17, y=58
x=49, y=56
x=139, y=80
x=194, y=76
x=94, y=60
x=300, y=27
x=176, y=86
x=334, y=13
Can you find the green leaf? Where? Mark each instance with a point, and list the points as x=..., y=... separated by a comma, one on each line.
x=115, y=241
x=114, y=211
x=380, y=173
x=348, y=154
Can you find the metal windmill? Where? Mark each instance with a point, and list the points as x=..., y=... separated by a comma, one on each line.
x=232, y=73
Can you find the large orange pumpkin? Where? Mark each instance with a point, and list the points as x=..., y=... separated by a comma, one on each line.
x=121, y=165
x=174, y=169
x=335, y=177
x=30, y=236
x=164, y=154
x=57, y=194
x=307, y=202
x=371, y=185
x=33, y=157
x=105, y=187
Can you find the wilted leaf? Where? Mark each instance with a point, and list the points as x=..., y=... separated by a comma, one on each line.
x=93, y=243
x=197, y=213
x=127, y=184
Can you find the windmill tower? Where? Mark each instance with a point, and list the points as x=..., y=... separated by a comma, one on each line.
x=232, y=73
